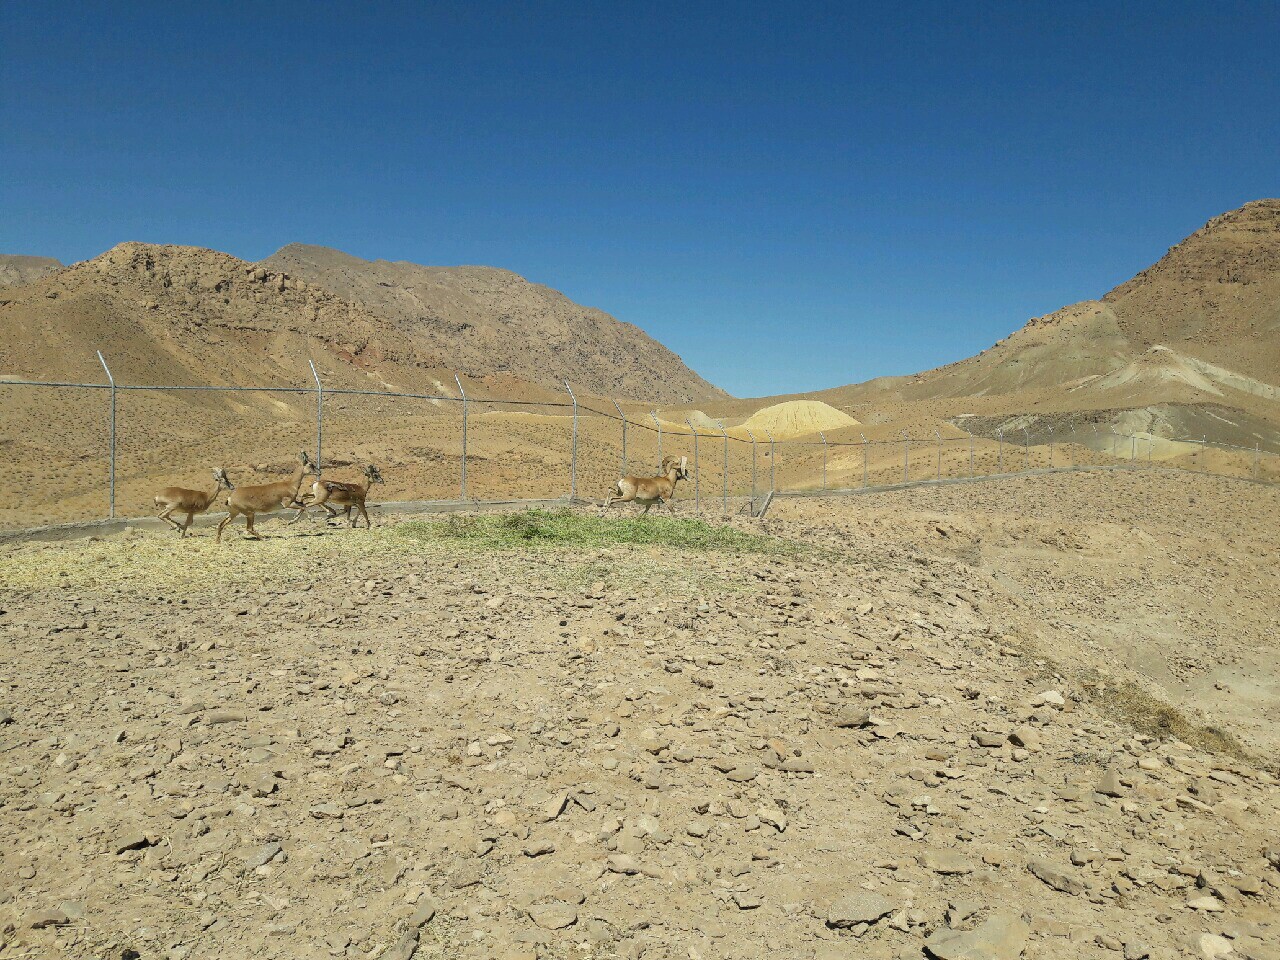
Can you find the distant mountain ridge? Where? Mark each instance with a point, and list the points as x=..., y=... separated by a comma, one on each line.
x=488, y=320
x=19, y=268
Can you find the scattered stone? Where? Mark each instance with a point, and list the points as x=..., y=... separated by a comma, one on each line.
x=1002, y=937
x=945, y=862
x=855, y=908
x=263, y=855
x=225, y=716
x=1211, y=946
x=131, y=841
x=52, y=917
x=1056, y=877
x=851, y=717
x=1109, y=785
x=554, y=916
x=1027, y=738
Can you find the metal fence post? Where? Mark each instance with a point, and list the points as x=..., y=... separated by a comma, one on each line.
x=939, y=436
x=864, y=459
x=624, y=437
x=112, y=468
x=1256, y=453
x=319, y=416
x=906, y=458
x=773, y=460
x=725, y=494
x=1133, y=447
x=653, y=415
x=464, y=434
x=1000, y=449
x=1051, y=448
x=697, y=478
x=824, y=459
x=573, y=455
x=1026, y=440
x=753, y=469
x=970, y=453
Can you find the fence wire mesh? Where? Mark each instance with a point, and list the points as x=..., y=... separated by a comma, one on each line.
x=82, y=451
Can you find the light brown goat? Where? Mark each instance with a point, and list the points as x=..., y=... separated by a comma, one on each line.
x=650, y=490
x=181, y=500
x=267, y=497
x=332, y=494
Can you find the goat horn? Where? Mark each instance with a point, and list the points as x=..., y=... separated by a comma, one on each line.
x=684, y=462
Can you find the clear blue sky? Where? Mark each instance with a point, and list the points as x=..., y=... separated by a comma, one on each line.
x=791, y=196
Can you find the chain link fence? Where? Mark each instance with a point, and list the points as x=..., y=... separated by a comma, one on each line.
x=75, y=452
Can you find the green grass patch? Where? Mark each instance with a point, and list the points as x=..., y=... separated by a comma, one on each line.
x=534, y=529
x=150, y=560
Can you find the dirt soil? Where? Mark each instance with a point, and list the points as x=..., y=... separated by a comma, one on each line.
x=1028, y=718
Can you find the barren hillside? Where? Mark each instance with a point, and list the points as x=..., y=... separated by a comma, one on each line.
x=15, y=268
x=1213, y=299
x=487, y=320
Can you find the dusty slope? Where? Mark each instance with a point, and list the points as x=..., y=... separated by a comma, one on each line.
x=186, y=315
x=1215, y=298
x=16, y=268
x=487, y=320
x=469, y=755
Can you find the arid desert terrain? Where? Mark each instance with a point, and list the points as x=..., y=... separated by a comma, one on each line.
x=1030, y=717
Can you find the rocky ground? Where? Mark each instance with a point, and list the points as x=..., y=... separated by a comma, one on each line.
x=889, y=727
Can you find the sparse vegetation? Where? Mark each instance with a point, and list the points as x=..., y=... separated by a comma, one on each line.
x=571, y=528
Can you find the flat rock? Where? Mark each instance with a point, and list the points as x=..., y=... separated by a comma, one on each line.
x=1109, y=785
x=855, y=908
x=946, y=862
x=225, y=716
x=263, y=855
x=1002, y=937
x=852, y=717
x=554, y=916
x=48, y=918
x=1056, y=877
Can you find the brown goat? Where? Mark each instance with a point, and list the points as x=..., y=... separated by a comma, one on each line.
x=650, y=490
x=190, y=502
x=266, y=497
x=328, y=493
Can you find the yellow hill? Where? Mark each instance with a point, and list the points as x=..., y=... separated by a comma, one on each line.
x=796, y=418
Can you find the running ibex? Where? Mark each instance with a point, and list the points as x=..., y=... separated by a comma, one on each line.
x=332, y=494
x=267, y=497
x=650, y=490
x=190, y=502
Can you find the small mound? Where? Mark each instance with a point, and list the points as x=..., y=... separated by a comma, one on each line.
x=796, y=418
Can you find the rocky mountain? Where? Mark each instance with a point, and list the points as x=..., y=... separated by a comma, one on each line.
x=1207, y=315
x=186, y=315
x=16, y=268
x=486, y=320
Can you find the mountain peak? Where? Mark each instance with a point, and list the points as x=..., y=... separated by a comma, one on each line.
x=490, y=320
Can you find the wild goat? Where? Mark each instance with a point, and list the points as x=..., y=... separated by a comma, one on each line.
x=267, y=497
x=190, y=502
x=331, y=494
x=650, y=490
